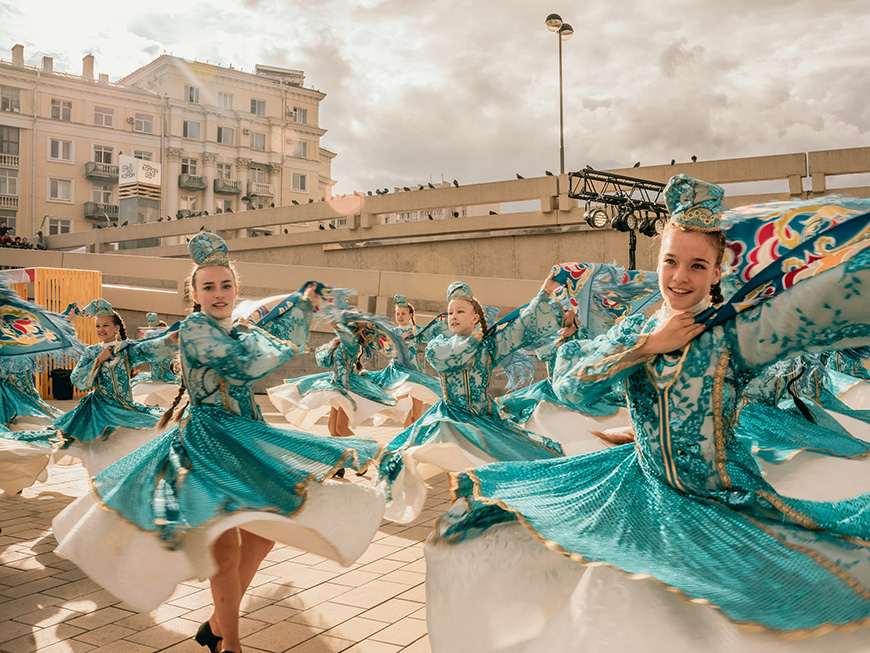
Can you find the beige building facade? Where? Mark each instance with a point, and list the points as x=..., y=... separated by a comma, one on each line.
x=226, y=140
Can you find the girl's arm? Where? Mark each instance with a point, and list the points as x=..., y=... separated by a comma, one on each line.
x=249, y=357
x=541, y=318
x=85, y=371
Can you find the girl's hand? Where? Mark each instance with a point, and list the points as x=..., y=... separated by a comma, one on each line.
x=673, y=334
x=312, y=296
x=105, y=355
x=549, y=284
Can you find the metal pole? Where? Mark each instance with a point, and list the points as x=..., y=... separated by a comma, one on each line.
x=561, y=111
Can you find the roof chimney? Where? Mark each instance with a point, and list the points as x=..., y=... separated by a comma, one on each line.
x=88, y=67
x=17, y=55
x=47, y=65
x=104, y=78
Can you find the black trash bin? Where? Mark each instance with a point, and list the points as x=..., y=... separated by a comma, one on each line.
x=61, y=386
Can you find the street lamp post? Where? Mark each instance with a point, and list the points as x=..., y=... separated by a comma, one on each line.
x=565, y=31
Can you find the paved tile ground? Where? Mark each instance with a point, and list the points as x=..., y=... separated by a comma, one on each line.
x=298, y=601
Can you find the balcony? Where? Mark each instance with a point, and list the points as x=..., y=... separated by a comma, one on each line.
x=192, y=182
x=101, y=171
x=229, y=186
x=259, y=189
x=9, y=160
x=97, y=211
x=8, y=201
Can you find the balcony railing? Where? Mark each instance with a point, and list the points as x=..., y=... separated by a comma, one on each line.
x=9, y=160
x=192, y=182
x=98, y=211
x=231, y=186
x=259, y=189
x=8, y=201
x=104, y=171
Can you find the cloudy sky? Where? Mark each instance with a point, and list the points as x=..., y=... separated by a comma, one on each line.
x=468, y=89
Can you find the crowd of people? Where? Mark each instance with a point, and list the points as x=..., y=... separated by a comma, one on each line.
x=633, y=496
x=20, y=242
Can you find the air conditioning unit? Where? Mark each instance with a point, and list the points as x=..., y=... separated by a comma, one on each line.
x=131, y=119
x=246, y=131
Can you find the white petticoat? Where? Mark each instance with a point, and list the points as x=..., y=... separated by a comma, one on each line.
x=304, y=411
x=573, y=430
x=22, y=464
x=505, y=592
x=337, y=521
x=155, y=393
x=96, y=455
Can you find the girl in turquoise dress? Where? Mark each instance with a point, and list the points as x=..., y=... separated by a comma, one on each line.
x=631, y=547
x=400, y=381
x=20, y=403
x=346, y=392
x=466, y=427
x=107, y=424
x=207, y=498
x=156, y=384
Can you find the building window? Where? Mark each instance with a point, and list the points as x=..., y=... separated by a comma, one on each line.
x=188, y=202
x=257, y=175
x=225, y=100
x=8, y=140
x=57, y=226
x=143, y=123
x=300, y=115
x=258, y=141
x=104, y=117
x=102, y=193
x=144, y=155
x=8, y=181
x=224, y=170
x=191, y=130
x=225, y=135
x=299, y=182
x=60, y=190
x=61, y=109
x=406, y=216
x=258, y=107
x=191, y=94
x=104, y=154
x=223, y=206
x=300, y=149
x=10, y=99
x=60, y=150
x=189, y=166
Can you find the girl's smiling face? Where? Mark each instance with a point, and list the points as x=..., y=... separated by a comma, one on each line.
x=107, y=330
x=687, y=268
x=215, y=291
x=403, y=316
x=461, y=317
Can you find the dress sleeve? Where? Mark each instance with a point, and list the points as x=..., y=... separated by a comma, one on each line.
x=541, y=318
x=85, y=371
x=245, y=357
x=828, y=311
x=153, y=350
x=325, y=353
x=587, y=370
x=294, y=324
x=446, y=354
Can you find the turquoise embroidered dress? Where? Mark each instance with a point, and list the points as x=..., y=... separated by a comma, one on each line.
x=304, y=400
x=109, y=406
x=467, y=421
x=398, y=380
x=687, y=505
x=221, y=467
x=19, y=399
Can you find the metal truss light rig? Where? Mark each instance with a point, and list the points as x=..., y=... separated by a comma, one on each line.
x=630, y=198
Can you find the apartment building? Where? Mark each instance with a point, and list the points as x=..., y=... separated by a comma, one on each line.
x=226, y=140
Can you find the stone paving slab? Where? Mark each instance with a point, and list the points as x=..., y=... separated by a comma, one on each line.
x=298, y=602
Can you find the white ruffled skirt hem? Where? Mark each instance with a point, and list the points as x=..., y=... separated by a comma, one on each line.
x=304, y=411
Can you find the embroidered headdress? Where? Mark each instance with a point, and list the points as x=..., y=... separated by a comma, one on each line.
x=694, y=204
x=98, y=308
x=459, y=290
x=208, y=249
x=400, y=301
x=151, y=319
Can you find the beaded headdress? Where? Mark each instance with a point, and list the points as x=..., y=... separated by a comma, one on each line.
x=98, y=308
x=400, y=301
x=695, y=205
x=459, y=290
x=151, y=319
x=208, y=249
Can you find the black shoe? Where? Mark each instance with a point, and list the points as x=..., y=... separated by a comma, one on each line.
x=339, y=473
x=204, y=637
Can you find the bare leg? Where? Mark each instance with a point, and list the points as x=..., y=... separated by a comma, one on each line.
x=342, y=424
x=251, y=552
x=333, y=416
x=225, y=590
